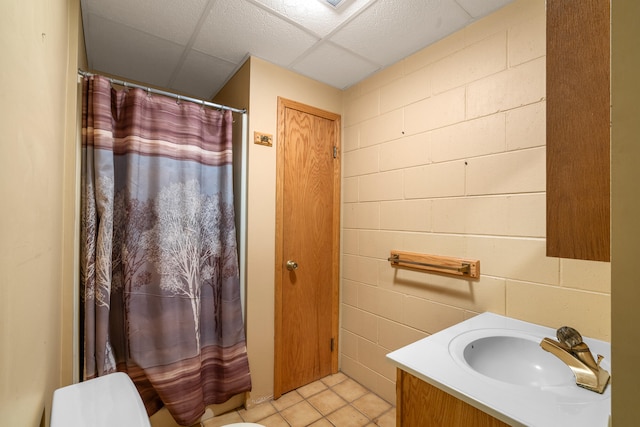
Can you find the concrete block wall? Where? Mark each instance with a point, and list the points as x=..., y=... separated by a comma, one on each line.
x=444, y=153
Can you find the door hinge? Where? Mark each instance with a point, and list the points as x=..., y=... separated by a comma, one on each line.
x=332, y=341
x=335, y=152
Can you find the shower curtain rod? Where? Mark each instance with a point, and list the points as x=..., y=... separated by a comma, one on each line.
x=169, y=94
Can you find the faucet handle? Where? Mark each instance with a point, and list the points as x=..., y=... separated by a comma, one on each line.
x=569, y=336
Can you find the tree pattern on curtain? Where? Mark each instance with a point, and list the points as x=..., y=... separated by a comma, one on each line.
x=159, y=266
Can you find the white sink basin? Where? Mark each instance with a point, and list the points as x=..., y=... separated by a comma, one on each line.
x=510, y=357
x=496, y=364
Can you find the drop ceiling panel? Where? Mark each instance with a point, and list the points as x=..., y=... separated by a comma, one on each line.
x=202, y=74
x=389, y=31
x=317, y=17
x=168, y=19
x=123, y=51
x=335, y=66
x=234, y=29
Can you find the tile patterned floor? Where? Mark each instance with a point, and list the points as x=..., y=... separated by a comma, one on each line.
x=333, y=401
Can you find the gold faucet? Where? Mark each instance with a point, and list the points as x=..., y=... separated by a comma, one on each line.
x=576, y=354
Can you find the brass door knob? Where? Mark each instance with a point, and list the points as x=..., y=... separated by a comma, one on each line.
x=292, y=265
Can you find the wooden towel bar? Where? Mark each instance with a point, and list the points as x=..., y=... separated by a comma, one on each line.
x=436, y=263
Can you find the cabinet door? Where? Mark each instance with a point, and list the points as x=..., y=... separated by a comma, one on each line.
x=578, y=129
x=421, y=404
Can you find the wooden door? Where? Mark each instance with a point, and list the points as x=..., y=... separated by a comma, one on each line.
x=307, y=245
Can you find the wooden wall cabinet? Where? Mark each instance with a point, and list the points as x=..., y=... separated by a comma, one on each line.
x=421, y=404
x=578, y=129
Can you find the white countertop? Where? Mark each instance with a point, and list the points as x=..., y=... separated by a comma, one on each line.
x=431, y=360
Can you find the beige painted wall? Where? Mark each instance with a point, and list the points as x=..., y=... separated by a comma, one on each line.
x=37, y=165
x=445, y=154
x=39, y=45
x=235, y=93
x=267, y=83
x=625, y=207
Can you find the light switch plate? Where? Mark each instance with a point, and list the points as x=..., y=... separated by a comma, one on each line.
x=263, y=139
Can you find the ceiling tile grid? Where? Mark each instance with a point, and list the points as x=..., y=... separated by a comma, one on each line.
x=236, y=28
x=202, y=74
x=316, y=15
x=195, y=46
x=397, y=29
x=334, y=66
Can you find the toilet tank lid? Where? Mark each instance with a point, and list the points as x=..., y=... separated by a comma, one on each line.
x=110, y=400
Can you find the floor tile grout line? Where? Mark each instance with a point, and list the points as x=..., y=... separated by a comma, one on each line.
x=369, y=420
x=326, y=416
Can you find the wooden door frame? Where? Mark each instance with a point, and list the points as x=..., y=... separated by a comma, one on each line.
x=283, y=104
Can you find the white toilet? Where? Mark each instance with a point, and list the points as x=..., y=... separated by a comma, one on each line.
x=111, y=400
x=108, y=401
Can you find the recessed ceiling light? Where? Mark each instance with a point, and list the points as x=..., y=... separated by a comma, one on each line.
x=334, y=3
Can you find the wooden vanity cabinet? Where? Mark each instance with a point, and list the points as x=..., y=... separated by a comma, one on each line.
x=421, y=404
x=578, y=129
